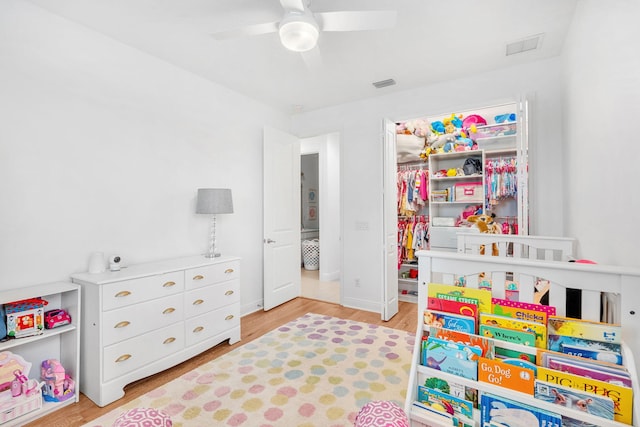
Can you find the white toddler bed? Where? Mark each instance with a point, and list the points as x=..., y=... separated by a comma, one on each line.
x=618, y=283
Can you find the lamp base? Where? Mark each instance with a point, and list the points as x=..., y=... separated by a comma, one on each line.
x=211, y=255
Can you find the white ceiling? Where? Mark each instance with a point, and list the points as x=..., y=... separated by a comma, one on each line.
x=434, y=40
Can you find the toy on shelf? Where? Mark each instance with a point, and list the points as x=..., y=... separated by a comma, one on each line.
x=55, y=318
x=25, y=317
x=18, y=394
x=58, y=386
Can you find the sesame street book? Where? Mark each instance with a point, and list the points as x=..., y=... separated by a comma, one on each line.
x=570, y=398
x=622, y=396
x=461, y=293
x=500, y=411
x=469, y=307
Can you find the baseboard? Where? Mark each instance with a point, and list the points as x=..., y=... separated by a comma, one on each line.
x=360, y=304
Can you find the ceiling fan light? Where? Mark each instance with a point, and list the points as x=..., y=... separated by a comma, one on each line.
x=299, y=36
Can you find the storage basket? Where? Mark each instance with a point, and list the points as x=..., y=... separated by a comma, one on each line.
x=469, y=192
x=311, y=254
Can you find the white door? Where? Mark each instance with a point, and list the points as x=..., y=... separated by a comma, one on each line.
x=281, y=247
x=390, y=221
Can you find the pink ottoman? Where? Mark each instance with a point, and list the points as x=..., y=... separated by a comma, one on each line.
x=143, y=417
x=381, y=413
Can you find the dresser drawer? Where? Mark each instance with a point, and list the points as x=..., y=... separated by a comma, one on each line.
x=121, y=294
x=207, y=325
x=203, y=276
x=127, y=322
x=131, y=354
x=202, y=300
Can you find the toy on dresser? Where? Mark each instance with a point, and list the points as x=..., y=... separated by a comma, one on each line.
x=58, y=385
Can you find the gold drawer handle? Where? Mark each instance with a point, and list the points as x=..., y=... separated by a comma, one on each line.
x=228, y=271
x=169, y=340
x=122, y=324
x=123, y=358
x=229, y=317
x=169, y=284
x=169, y=310
x=198, y=329
x=228, y=293
x=198, y=277
x=123, y=294
x=198, y=302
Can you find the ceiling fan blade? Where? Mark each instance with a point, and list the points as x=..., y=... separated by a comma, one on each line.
x=356, y=20
x=249, y=30
x=297, y=5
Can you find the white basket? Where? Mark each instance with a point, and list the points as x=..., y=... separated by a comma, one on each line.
x=311, y=254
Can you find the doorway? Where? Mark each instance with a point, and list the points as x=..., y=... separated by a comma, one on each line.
x=320, y=218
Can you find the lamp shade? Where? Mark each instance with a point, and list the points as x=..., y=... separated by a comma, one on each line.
x=214, y=201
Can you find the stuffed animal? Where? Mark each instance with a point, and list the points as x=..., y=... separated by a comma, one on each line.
x=486, y=224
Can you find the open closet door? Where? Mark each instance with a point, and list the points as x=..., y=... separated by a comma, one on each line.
x=281, y=240
x=390, y=224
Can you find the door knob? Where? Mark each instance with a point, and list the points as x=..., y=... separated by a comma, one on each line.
x=269, y=241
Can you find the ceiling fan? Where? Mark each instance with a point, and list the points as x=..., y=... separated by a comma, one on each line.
x=300, y=28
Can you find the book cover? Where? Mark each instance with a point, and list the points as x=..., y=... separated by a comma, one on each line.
x=455, y=322
x=622, y=396
x=590, y=371
x=485, y=345
x=506, y=353
x=452, y=358
x=597, y=350
x=509, y=335
x=500, y=411
x=543, y=355
x=500, y=307
x=570, y=398
x=431, y=396
x=523, y=325
x=453, y=388
x=514, y=374
x=440, y=414
x=468, y=307
x=461, y=293
x=577, y=328
x=505, y=303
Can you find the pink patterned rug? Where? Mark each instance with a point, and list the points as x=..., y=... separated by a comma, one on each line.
x=314, y=371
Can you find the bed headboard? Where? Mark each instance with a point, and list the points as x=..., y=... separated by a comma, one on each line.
x=593, y=280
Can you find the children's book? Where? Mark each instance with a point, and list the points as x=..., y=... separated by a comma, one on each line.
x=455, y=322
x=485, y=345
x=506, y=353
x=517, y=310
x=584, y=329
x=515, y=374
x=570, y=398
x=597, y=350
x=464, y=308
x=522, y=325
x=500, y=411
x=622, y=396
x=439, y=413
x=509, y=335
x=452, y=358
x=589, y=370
x=543, y=356
x=432, y=395
x=453, y=388
x=461, y=293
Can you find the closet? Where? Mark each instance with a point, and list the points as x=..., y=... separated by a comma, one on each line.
x=453, y=165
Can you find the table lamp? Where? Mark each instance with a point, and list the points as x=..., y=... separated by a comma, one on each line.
x=213, y=201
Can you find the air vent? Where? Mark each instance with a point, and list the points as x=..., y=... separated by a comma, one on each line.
x=524, y=45
x=384, y=83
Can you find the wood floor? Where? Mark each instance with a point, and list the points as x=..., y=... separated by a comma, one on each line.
x=253, y=326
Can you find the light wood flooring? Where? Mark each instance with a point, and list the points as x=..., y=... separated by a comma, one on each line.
x=253, y=326
x=313, y=288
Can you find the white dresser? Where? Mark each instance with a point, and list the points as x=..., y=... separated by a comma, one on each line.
x=149, y=317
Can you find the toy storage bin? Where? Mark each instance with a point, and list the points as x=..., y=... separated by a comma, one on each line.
x=15, y=407
x=469, y=191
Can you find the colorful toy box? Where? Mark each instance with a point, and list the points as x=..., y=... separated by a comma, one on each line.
x=25, y=317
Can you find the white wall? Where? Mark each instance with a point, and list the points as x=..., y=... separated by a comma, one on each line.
x=602, y=91
x=102, y=148
x=361, y=140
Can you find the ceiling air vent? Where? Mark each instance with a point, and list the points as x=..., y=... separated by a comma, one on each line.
x=384, y=83
x=530, y=43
